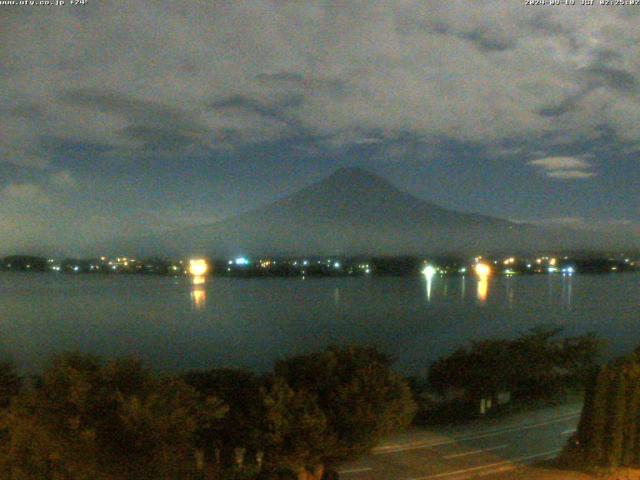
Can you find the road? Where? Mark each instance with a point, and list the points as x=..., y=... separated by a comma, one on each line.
x=485, y=447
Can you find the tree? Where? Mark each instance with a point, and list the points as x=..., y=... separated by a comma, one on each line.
x=535, y=365
x=243, y=425
x=482, y=370
x=83, y=420
x=594, y=440
x=361, y=397
x=633, y=410
x=10, y=383
x=297, y=435
x=618, y=403
x=607, y=433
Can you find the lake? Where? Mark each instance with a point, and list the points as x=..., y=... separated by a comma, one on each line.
x=175, y=325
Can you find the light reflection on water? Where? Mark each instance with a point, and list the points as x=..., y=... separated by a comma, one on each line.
x=198, y=293
x=439, y=287
x=567, y=290
x=429, y=281
x=483, y=289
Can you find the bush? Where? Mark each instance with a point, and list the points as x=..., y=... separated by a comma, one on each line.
x=83, y=420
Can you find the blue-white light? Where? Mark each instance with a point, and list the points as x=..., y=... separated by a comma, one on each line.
x=429, y=271
x=242, y=261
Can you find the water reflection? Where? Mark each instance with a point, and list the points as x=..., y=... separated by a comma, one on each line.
x=198, y=293
x=483, y=272
x=509, y=292
x=567, y=291
x=429, y=280
x=483, y=288
x=429, y=272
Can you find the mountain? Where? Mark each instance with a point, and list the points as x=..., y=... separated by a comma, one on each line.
x=354, y=212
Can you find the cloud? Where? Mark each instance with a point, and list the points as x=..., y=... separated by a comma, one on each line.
x=570, y=174
x=565, y=168
x=25, y=195
x=235, y=73
x=561, y=163
x=63, y=180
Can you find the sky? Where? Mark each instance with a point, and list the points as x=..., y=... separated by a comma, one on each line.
x=124, y=118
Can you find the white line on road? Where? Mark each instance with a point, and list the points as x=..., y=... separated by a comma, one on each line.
x=489, y=465
x=355, y=470
x=569, y=432
x=506, y=468
x=386, y=449
x=475, y=452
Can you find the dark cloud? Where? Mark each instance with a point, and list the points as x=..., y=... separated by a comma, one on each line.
x=59, y=146
x=27, y=110
x=294, y=80
x=133, y=109
x=569, y=104
x=488, y=41
x=280, y=110
x=614, y=78
x=160, y=138
x=287, y=77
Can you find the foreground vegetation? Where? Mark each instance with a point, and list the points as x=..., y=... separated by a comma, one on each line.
x=538, y=366
x=608, y=435
x=87, y=419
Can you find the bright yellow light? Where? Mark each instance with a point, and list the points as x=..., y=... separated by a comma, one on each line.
x=198, y=267
x=553, y=262
x=482, y=269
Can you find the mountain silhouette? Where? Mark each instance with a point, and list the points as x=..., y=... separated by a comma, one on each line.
x=351, y=212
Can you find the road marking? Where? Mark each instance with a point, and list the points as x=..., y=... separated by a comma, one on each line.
x=386, y=449
x=506, y=468
x=569, y=432
x=490, y=465
x=475, y=452
x=355, y=470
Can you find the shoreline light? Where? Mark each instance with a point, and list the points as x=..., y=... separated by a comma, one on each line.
x=241, y=261
x=198, y=267
x=482, y=269
x=429, y=271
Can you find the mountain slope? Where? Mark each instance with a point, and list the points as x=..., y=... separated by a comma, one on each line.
x=351, y=212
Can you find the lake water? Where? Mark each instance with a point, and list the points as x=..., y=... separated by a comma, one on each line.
x=174, y=324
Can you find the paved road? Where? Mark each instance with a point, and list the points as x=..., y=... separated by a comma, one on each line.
x=487, y=447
